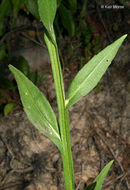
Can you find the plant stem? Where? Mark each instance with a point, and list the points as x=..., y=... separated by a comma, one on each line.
x=63, y=113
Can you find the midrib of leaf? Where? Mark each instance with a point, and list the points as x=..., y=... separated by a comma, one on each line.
x=75, y=92
x=49, y=24
x=42, y=115
x=48, y=16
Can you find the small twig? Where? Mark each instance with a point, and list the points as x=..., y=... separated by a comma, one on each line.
x=14, y=30
x=29, y=169
x=12, y=170
x=6, y=177
x=10, y=185
x=24, y=170
x=38, y=36
x=82, y=170
x=31, y=39
x=78, y=186
x=122, y=176
x=17, y=29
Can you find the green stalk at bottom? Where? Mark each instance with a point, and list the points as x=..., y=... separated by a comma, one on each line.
x=67, y=157
x=63, y=114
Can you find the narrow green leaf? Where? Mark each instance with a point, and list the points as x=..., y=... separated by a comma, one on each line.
x=47, y=11
x=88, y=77
x=67, y=20
x=37, y=107
x=100, y=178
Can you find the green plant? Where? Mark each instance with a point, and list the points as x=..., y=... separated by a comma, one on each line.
x=37, y=107
x=64, y=19
x=125, y=3
x=9, y=108
x=9, y=11
x=8, y=86
x=24, y=67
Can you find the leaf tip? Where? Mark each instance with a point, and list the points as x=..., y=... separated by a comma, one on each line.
x=10, y=66
x=121, y=39
x=124, y=36
x=111, y=162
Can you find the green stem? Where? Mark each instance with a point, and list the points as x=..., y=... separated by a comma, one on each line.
x=63, y=114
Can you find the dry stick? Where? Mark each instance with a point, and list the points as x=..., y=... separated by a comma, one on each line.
x=122, y=176
x=77, y=188
x=17, y=29
x=112, y=152
x=31, y=39
x=38, y=36
x=81, y=181
x=9, y=185
x=24, y=170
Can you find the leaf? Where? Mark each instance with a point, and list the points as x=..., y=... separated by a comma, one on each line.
x=32, y=7
x=58, y=28
x=5, y=9
x=23, y=65
x=67, y=20
x=88, y=77
x=58, y=3
x=17, y=5
x=2, y=51
x=72, y=4
x=125, y=3
x=100, y=178
x=33, y=76
x=37, y=108
x=1, y=28
x=91, y=186
x=9, y=108
x=47, y=12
